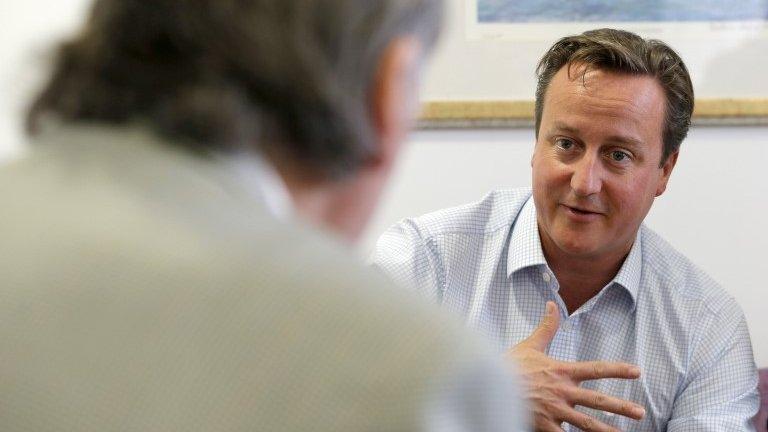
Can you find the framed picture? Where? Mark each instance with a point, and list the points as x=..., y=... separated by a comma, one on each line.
x=483, y=72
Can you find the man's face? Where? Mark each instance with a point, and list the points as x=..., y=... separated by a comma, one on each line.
x=596, y=161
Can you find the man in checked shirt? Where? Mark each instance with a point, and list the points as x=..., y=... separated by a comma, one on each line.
x=628, y=325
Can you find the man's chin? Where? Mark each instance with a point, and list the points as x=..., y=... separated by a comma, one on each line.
x=577, y=245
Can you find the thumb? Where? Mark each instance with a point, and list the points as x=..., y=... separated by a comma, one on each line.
x=545, y=332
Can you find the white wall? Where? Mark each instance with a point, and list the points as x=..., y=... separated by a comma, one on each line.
x=714, y=210
x=28, y=30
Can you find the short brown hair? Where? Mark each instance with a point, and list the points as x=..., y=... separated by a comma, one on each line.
x=625, y=52
x=292, y=77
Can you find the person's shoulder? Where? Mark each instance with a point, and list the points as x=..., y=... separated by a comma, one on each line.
x=354, y=292
x=676, y=275
x=355, y=309
x=494, y=211
x=374, y=339
x=280, y=304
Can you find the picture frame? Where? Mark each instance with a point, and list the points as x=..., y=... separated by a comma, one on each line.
x=483, y=72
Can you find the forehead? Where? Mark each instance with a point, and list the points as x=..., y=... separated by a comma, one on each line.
x=603, y=102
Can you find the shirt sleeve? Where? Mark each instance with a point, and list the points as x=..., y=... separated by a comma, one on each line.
x=720, y=393
x=405, y=256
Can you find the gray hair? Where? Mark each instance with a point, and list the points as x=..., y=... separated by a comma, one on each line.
x=292, y=77
x=625, y=52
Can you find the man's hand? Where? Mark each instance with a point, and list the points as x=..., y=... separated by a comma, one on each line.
x=554, y=385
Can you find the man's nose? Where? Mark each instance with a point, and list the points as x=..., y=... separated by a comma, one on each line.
x=586, y=178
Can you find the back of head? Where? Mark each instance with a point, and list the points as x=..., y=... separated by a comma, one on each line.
x=624, y=52
x=291, y=76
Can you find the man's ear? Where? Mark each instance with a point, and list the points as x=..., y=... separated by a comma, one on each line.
x=666, y=172
x=394, y=102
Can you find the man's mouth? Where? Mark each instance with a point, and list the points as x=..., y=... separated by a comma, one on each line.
x=582, y=211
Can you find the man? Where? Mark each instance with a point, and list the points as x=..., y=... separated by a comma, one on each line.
x=153, y=277
x=611, y=112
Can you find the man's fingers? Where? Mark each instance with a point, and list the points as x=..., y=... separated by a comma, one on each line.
x=583, y=421
x=545, y=332
x=603, y=402
x=592, y=370
x=548, y=426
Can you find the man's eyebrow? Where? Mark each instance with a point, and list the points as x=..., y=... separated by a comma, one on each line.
x=562, y=127
x=624, y=140
x=613, y=139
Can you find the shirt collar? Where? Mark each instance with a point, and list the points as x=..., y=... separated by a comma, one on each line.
x=525, y=251
x=257, y=178
x=244, y=172
x=525, y=244
x=630, y=272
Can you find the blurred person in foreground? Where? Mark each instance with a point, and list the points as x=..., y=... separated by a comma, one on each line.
x=153, y=276
x=629, y=326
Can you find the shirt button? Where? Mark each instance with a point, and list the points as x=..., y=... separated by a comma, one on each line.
x=546, y=277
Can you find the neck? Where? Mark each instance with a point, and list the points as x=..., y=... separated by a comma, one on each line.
x=321, y=206
x=580, y=277
x=340, y=207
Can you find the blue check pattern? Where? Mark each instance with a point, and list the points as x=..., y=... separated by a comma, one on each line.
x=484, y=262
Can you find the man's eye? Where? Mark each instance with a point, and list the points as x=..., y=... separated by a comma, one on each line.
x=564, y=144
x=619, y=156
